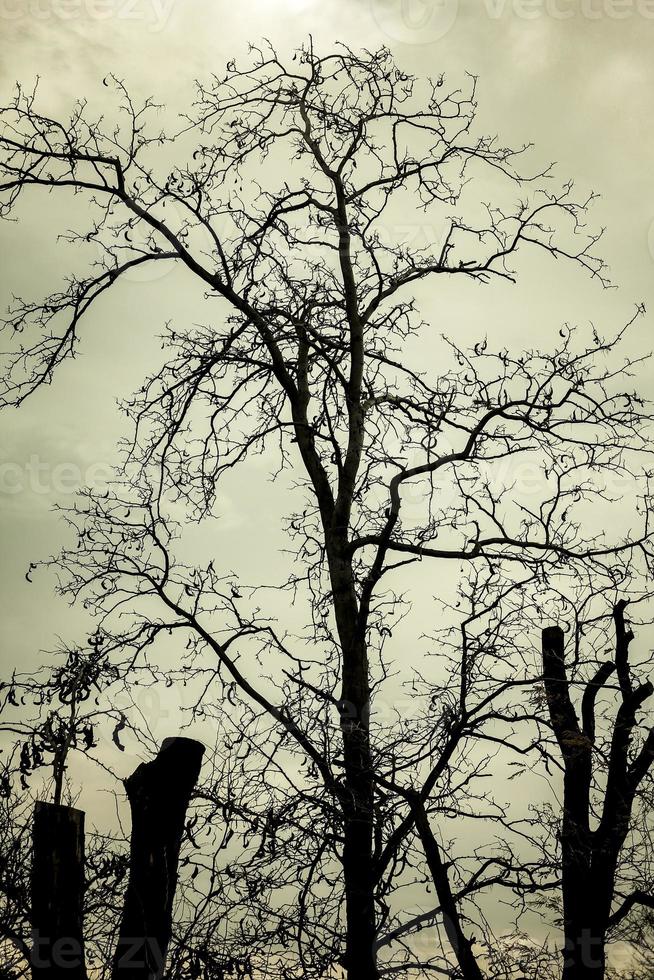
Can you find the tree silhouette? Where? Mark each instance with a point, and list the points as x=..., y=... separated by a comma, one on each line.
x=280, y=214
x=590, y=854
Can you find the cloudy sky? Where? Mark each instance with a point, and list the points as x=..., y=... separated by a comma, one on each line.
x=575, y=77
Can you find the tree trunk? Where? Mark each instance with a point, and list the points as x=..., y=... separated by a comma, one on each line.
x=580, y=954
x=57, y=893
x=583, y=946
x=584, y=957
x=159, y=793
x=361, y=937
x=358, y=808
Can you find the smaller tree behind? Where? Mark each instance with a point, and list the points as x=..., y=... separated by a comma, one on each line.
x=602, y=779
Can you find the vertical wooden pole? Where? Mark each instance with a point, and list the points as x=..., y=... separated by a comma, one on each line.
x=57, y=893
x=159, y=793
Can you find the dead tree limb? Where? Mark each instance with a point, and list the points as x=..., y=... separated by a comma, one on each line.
x=159, y=793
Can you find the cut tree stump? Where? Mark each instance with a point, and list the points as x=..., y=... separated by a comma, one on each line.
x=57, y=893
x=159, y=793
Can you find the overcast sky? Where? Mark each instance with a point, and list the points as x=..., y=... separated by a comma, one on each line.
x=574, y=78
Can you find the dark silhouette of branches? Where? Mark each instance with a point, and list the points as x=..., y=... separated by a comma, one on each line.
x=593, y=833
x=286, y=182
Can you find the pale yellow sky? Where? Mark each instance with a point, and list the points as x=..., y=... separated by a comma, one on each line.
x=576, y=77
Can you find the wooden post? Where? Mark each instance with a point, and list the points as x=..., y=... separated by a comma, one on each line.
x=159, y=793
x=57, y=893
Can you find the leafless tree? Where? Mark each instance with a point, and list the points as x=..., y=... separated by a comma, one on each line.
x=598, y=815
x=281, y=214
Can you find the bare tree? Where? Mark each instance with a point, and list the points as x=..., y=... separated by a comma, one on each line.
x=312, y=361
x=595, y=824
